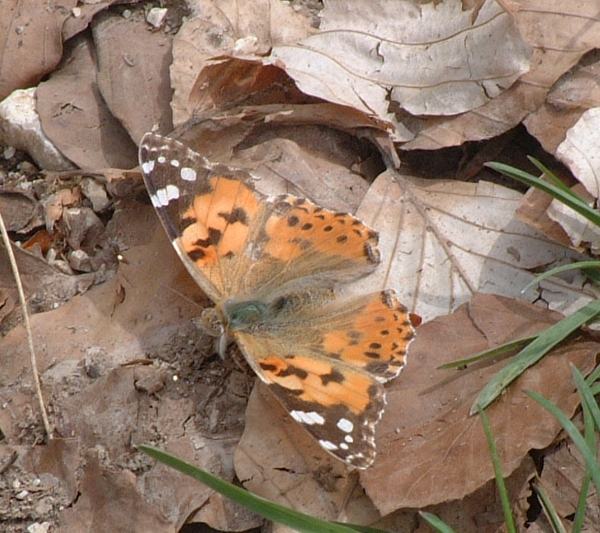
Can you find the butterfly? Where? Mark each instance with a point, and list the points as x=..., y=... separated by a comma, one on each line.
x=272, y=266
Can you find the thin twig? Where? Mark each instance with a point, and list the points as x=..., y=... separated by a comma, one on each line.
x=36, y=377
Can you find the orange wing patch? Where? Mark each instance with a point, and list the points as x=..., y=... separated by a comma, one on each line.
x=377, y=340
x=318, y=381
x=302, y=227
x=219, y=223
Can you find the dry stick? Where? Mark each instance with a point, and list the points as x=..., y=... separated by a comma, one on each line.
x=36, y=377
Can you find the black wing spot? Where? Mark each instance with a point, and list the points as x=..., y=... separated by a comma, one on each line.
x=213, y=239
x=335, y=376
x=197, y=254
x=237, y=215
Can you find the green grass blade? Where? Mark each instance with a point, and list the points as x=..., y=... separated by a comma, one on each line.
x=486, y=354
x=568, y=198
x=555, y=179
x=583, y=265
x=589, y=431
x=272, y=511
x=577, y=438
x=587, y=397
x=593, y=274
x=578, y=520
x=550, y=511
x=594, y=376
x=436, y=523
x=533, y=352
x=502, y=491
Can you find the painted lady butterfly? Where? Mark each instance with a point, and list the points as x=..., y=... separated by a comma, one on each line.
x=270, y=264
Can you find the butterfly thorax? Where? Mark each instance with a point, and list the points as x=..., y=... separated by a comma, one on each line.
x=253, y=315
x=244, y=315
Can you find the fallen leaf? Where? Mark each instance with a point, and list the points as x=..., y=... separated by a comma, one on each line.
x=429, y=448
x=578, y=152
x=95, y=509
x=45, y=287
x=574, y=93
x=216, y=30
x=444, y=241
x=470, y=516
x=562, y=479
x=75, y=117
x=554, y=53
x=31, y=45
x=54, y=203
x=426, y=59
x=278, y=460
x=19, y=209
x=133, y=72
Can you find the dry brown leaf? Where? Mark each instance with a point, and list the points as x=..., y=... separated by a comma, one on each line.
x=95, y=509
x=278, y=460
x=31, y=44
x=133, y=72
x=217, y=29
x=83, y=15
x=444, y=241
x=45, y=287
x=533, y=211
x=42, y=474
x=285, y=155
x=560, y=34
x=426, y=59
x=562, y=479
x=81, y=346
x=53, y=205
x=75, y=118
x=19, y=210
x=429, y=448
x=579, y=152
x=575, y=92
x=229, y=82
x=469, y=515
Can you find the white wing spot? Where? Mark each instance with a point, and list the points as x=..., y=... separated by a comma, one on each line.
x=345, y=425
x=155, y=201
x=307, y=418
x=148, y=166
x=161, y=159
x=343, y=446
x=175, y=163
x=349, y=439
x=328, y=445
x=188, y=174
x=164, y=196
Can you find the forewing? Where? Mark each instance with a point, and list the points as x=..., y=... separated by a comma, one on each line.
x=303, y=245
x=210, y=213
x=237, y=242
